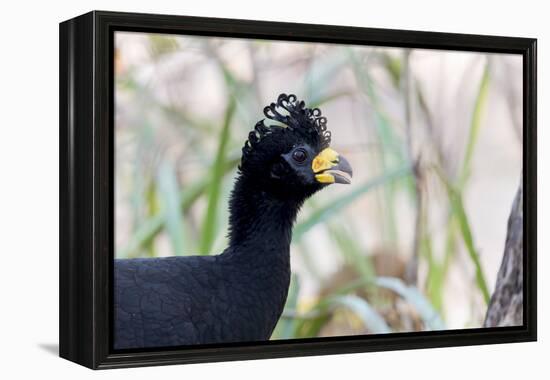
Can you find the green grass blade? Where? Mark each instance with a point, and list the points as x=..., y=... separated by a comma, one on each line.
x=434, y=280
x=214, y=189
x=152, y=208
x=457, y=207
x=169, y=194
x=360, y=307
x=438, y=285
x=391, y=153
x=149, y=228
x=429, y=315
x=479, y=107
x=141, y=236
x=466, y=231
x=458, y=222
x=458, y=215
x=327, y=211
x=310, y=324
x=394, y=67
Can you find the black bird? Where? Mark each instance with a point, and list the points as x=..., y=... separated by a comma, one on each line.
x=237, y=296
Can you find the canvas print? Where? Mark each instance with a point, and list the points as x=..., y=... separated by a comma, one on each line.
x=273, y=190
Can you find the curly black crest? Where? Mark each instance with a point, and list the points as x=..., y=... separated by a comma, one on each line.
x=307, y=124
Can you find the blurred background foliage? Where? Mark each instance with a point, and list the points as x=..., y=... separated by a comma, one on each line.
x=434, y=138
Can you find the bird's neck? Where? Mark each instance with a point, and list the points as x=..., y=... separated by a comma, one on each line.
x=260, y=222
x=260, y=231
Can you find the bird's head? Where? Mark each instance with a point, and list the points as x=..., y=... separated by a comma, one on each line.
x=292, y=158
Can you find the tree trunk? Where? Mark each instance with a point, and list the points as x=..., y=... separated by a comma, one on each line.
x=506, y=305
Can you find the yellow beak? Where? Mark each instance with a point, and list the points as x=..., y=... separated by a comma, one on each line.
x=330, y=167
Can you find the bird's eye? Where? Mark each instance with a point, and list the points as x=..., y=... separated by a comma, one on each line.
x=299, y=155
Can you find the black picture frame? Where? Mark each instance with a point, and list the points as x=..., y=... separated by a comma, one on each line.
x=86, y=186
